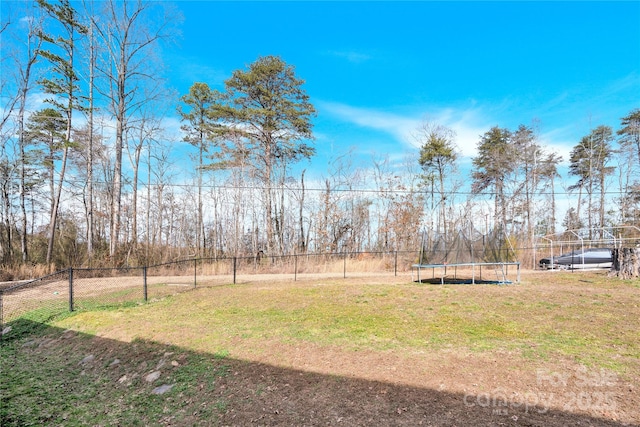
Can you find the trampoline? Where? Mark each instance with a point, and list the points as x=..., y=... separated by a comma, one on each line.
x=448, y=273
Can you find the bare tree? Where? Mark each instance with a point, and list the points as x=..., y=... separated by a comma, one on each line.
x=21, y=61
x=144, y=133
x=128, y=32
x=549, y=174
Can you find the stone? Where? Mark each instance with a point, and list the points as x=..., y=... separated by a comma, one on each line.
x=152, y=376
x=88, y=359
x=162, y=389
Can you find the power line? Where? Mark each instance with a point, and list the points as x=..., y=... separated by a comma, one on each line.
x=350, y=190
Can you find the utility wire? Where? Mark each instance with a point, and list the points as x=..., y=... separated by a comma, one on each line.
x=350, y=190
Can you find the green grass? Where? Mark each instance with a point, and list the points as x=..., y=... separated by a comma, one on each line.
x=45, y=383
x=547, y=319
x=590, y=327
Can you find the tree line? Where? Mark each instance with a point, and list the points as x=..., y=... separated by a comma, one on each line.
x=88, y=173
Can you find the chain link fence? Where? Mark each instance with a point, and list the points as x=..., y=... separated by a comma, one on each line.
x=39, y=298
x=94, y=288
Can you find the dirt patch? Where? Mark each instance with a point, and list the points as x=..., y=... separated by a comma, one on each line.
x=326, y=387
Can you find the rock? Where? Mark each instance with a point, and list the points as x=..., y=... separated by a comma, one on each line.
x=175, y=363
x=152, y=376
x=162, y=389
x=6, y=330
x=88, y=359
x=114, y=363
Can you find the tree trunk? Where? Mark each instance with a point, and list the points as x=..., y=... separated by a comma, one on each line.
x=90, y=222
x=117, y=174
x=302, y=246
x=56, y=203
x=626, y=263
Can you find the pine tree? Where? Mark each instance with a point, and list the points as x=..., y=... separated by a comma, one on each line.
x=62, y=84
x=438, y=156
x=588, y=162
x=267, y=107
x=494, y=162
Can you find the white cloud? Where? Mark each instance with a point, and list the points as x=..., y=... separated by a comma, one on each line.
x=468, y=124
x=400, y=127
x=557, y=141
x=172, y=131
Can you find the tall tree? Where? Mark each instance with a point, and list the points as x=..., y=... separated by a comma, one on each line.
x=128, y=32
x=628, y=155
x=588, y=162
x=536, y=171
x=438, y=156
x=7, y=177
x=199, y=116
x=550, y=173
x=267, y=106
x=20, y=61
x=492, y=165
x=89, y=147
x=629, y=133
x=62, y=84
x=146, y=130
x=45, y=131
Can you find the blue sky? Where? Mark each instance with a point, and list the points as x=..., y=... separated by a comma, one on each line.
x=376, y=70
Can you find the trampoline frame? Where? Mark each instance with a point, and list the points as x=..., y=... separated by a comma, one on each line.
x=504, y=266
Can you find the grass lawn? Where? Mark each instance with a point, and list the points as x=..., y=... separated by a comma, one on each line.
x=224, y=351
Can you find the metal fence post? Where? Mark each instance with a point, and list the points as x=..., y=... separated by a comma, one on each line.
x=1, y=318
x=234, y=269
x=295, y=267
x=195, y=272
x=70, y=288
x=344, y=265
x=395, y=264
x=144, y=283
